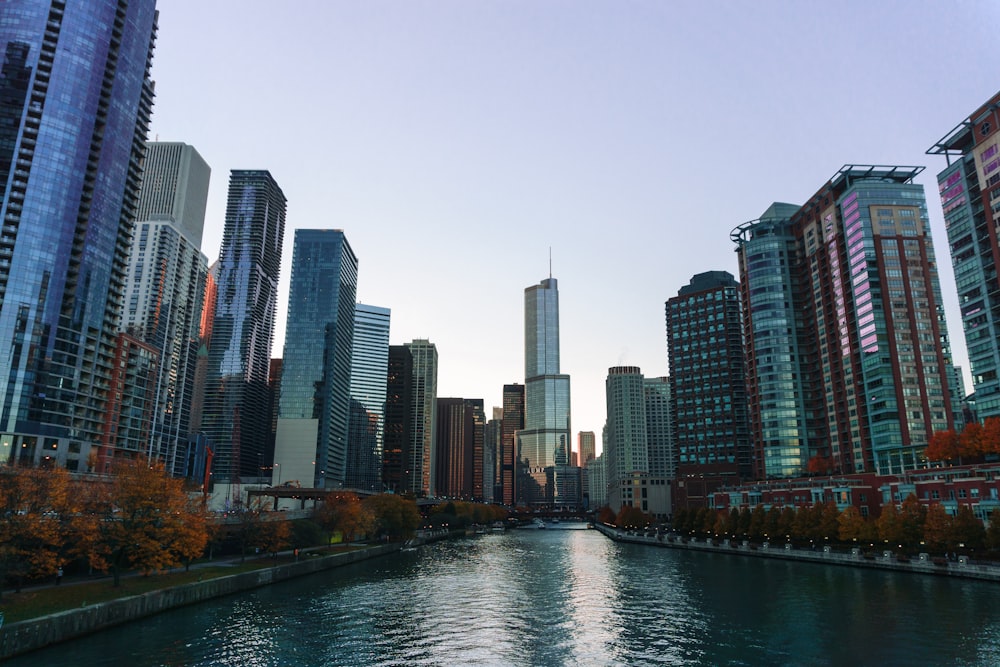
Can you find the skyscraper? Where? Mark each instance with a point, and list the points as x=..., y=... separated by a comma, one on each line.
x=459, y=444
x=545, y=440
x=314, y=405
x=420, y=459
x=970, y=195
x=165, y=287
x=512, y=422
x=75, y=102
x=234, y=414
x=849, y=365
x=587, y=443
x=369, y=366
x=705, y=348
x=660, y=428
x=628, y=452
x=398, y=406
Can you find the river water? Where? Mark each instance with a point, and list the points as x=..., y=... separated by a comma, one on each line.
x=567, y=596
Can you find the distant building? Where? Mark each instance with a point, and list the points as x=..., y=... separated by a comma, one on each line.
x=369, y=365
x=314, y=407
x=420, y=460
x=545, y=441
x=397, y=440
x=132, y=408
x=629, y=476
x=165, y=286
x=492, y=434
x=597, y=485
x=459, y=434
x=235, y=416
x=74, y=112
x=512, y=422
x=587, y=444
x=707, y=387
x=970, y=190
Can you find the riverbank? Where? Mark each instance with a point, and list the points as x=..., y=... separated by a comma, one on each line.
x=29, y=635
x=887, y=560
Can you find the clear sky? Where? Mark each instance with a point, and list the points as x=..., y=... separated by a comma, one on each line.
x=455, y=142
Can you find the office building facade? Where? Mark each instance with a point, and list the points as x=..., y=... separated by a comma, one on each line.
x=421, y=459
x=235, y=418
x=74, y=111
x=459, y=442
x=369, y=366
x=587, y=446
x=512, y=422
x=316, y=363
x=396, y=442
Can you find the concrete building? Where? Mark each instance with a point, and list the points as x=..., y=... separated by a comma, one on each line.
x=165, y=287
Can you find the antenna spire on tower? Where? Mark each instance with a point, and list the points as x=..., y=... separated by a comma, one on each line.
x=550, y=262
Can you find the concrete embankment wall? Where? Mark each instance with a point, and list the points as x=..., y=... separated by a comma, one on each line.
x=887, y=560
x=26, y=636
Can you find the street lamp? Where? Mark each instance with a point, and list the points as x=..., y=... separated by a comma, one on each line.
x=278, y=466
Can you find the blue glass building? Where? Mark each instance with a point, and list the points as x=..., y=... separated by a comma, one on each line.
x=235, y=416
x=369, y=369
x=316, y=367
x=75, y=101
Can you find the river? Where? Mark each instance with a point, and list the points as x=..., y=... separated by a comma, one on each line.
x=567, y=596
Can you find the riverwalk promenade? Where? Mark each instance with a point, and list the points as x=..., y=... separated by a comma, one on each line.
x=29, y=635
x=962, y=567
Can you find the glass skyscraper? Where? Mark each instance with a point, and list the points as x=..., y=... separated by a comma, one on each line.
x=369, y=368
x=235, y=416
x=544, y=442
x=421, y=458
x=75, y=102
x=165, y=287
x=316, y=368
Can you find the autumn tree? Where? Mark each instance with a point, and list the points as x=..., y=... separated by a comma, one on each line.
x=993, y=532
x=968, y=530
x=850, y=525
x=890, y=525
x=396, y=517
x=990, y=442
x=274, y=536
x=606, y=515
x=786, y=521
x=143, y=519
x=827, y=521
x=631, y=517
x=971, y=441
x=34, y=503
x=937, y=528
x=943, y=446
x=344, y=512
x=758, y=519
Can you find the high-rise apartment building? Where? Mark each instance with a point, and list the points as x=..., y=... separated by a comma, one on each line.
x=970, y=195
x=165, y=287
x=848, y=361
x=420, y=459
x=628, y=452
x=491, y=448
x=660, y=428
x=545, y=441
x=234, y=412
x=75, y=103
x=512, y=422
x=314, y=406
x=369, y=366
x=705, y=348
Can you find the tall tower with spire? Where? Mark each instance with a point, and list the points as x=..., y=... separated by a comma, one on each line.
x=545, y=441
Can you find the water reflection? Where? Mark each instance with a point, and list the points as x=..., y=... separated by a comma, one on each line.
x=568, y=597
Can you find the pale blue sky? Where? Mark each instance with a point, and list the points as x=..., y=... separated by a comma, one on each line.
x=455, y=142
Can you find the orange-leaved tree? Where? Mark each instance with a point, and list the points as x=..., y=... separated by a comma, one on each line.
x=142, y=519
x=943, y=446
x=34, y=504
x=398, y=518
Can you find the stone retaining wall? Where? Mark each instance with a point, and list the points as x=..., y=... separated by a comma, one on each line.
x=26, y=636
x=885, y=560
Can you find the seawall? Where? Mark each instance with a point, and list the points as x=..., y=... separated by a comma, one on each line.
x=887, y=560
x=25, y=636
